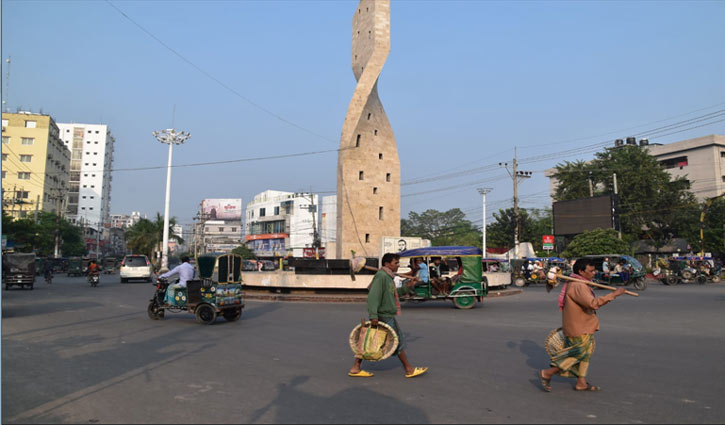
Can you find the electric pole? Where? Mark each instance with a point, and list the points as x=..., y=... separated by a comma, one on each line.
x=483, y=191
x=515, y=176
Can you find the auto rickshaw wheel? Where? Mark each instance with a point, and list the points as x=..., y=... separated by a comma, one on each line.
x=520, y=282
x=464, y=302
x=701, y=279
x=715, y=279
x=671, y=280
x=205, y=314
x=232, y=315
x=154, y=312
x=640, y=284
x=687, y=275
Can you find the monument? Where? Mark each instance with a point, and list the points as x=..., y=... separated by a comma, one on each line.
x=368, y=167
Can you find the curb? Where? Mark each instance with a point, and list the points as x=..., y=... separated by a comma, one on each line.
x=261, y=295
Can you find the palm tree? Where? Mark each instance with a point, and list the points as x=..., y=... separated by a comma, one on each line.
x=146, y=236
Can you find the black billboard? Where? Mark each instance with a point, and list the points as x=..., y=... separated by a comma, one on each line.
x=582, y=215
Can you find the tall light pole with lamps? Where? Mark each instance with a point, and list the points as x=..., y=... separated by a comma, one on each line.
x=483, y=191
x=171, y=138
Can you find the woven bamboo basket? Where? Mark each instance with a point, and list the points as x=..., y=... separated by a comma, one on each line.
x=388, y=348
x=555, y=342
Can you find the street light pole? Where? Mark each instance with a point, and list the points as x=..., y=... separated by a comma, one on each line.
x=483, y=191
x=171, y=138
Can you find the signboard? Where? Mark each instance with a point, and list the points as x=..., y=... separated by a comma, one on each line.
x=222, y=209
x=401, y=243
x=582, y=215
x=310, y=253
x=548, y=242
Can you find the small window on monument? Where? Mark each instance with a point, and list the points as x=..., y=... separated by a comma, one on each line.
x=370, y=34
x=376, y=131
x=369, y=115
x=380, y=213
x=375, y=190
x=361, y=175
x=387, y=177
x=367, y=237
x=380, y=156
x=357, y=141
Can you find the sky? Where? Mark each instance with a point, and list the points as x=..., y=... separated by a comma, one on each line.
x=466, y=83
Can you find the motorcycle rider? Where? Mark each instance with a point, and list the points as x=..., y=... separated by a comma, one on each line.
x=185, y=271
x=93, y=269
x=48, y=272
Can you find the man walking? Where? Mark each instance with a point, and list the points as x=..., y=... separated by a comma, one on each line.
x=579, y=322
x=384, y=305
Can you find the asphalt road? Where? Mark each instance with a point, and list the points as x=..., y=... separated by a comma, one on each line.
x=76, y=354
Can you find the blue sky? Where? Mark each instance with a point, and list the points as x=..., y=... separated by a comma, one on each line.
x=465, y=82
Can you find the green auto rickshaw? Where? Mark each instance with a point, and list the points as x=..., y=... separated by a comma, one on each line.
x=464, y=276
x=75, y=266
x=218, y=291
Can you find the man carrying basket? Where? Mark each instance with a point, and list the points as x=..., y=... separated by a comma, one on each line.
x=579, y=322
x=383, y=306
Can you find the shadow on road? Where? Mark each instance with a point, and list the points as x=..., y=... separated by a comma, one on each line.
x=260, y=310
x=354, y=405
x=46, y=308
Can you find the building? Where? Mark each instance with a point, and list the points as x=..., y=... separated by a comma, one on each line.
x=328, y=226
x=89, y=194
x=220, y=229
x=700, y=160
x=280, y=224
x=35, y=164
x=368, y=168
x=124, y=221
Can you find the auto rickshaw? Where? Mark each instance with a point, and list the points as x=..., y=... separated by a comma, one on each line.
x=217, y=292
x=467, y=286
x=697, y=269
x=75, y=266
x=109, y=265
x=634, y=272
x=19, y=270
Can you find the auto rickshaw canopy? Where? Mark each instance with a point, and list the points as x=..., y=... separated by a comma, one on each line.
x=220, y=267
x=470, y=257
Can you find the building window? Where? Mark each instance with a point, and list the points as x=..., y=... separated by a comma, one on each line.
x=375, y=191
x=369, y=115
x=5, y=123
x=380, y=156
x=23, y=175
x=679, y=162
x=221, y=230
x=723, y=177
x=357, y=141
x=367, y=237
x=84, y=197
x=722, y=154
x=22, y=194
x=6, y=140
x=5, y=157
x=262, y=212
x=276, y=210
x=234, y=229
x=28, y=141
x=96, y=133
x=387, y=177
x=380, y=213
x=90, y=208
x=4, y=172
x=30, y=124
x=360, y=177
x=26, y=158
x=376, y=132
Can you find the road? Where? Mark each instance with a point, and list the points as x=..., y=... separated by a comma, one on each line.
x=76, y=354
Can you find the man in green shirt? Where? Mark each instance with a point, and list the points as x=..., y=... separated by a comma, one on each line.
x=383, y=305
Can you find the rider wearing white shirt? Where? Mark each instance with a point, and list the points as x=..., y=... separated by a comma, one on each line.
x=184, y=270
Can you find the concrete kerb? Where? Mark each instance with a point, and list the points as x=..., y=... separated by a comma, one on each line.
x=357, y=297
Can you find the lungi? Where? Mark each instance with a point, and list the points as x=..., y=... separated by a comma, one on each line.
x=393, y=323
x=573, y=359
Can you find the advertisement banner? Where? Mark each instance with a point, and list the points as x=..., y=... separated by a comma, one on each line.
x=222, y=209
x=548, y=242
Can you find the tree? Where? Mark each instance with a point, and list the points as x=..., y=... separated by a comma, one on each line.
x=598, y=241
x=244, y=251
x=442, y=228
x=145, y=236
x=534, y=224
x=39, y=237
x=652, y=205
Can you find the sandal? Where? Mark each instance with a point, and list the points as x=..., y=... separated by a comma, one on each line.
x=361, y=374
x=589, y=387
x=417, y=372
x=545, y=383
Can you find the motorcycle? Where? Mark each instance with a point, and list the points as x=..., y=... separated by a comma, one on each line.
x=48, y=277
x=93, y=279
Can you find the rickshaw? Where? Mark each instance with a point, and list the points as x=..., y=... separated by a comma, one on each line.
x=19, y=270
x=521, y=276
x=697, y=269
x=497, y=272
x=218, y=291
x=109, y=265
x=634, y=274
x=75, y=266
x=466, y=288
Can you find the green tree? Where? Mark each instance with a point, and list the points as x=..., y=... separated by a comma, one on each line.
x=534, y=224
x=652, y=205
x=598, y=241
x=442, y=228
x=244, y=251
x=145, y=236
x=39, y=237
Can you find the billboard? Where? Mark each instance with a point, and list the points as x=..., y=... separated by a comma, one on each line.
x=222, y=209
x=582, y=215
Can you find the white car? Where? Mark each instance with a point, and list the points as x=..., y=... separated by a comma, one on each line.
x=136, y=267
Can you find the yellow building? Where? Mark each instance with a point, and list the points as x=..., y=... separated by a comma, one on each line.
x=35, y=164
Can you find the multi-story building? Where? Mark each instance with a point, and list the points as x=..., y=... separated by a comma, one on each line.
x=700, y=160
x=279, y=224
x=221, y=227
x=89, y=194
x=328, y=226
x=124, y=221
x=35, y=164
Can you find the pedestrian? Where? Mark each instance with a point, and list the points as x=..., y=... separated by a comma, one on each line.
x=383, y=306
x=578, y=304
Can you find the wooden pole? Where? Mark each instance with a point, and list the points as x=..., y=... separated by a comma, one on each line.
x=598, y=285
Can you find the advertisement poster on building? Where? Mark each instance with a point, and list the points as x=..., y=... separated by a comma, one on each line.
x=222, y=209
x=402, y=243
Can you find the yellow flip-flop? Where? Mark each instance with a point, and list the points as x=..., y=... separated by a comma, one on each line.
x=417, y=371
x=361, y=374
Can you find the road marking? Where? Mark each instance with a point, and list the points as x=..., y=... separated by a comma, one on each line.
x=55, y=404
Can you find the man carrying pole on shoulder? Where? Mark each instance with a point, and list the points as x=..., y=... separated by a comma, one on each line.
x=578, y=304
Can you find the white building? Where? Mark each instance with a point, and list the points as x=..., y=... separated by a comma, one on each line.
x=89, y=193
x=281, y=223
x=328, y=225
